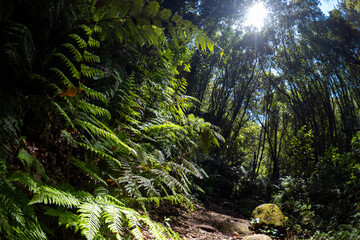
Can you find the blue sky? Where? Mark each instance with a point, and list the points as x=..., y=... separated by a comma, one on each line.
x=327, y=5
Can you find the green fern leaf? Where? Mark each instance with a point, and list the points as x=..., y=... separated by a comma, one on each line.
x=67, y=218
x=114, y=218
x=90, y=215
x=31, y=163
x=75, y=73
x=151, y=9
x=91, y=58
x=170, y=181
x=81, y=42
x=76, y=54
x=50, y=195
x=137, y=6
x=87, y=30
x=89, y=169
x=90, y=71
x=107, y=133
x=62, y=76
x=30, y=231
x=93, y=94
x=93, y=42
x=26, y=179
x=63, y=113
x=92, y=149
x=93, y=109
x=97, y=29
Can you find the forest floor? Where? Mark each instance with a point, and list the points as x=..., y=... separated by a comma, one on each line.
x=214, y=220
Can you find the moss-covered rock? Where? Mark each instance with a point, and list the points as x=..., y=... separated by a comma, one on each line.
x=257, y=237
x=268, y=215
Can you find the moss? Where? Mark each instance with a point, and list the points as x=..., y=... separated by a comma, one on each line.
x=269, y=215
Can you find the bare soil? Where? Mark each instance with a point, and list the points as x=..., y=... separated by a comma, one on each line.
x=207, y=221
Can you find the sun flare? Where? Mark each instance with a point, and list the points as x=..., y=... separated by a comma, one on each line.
x=256, y=15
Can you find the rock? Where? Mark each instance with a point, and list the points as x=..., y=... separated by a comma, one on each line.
x=257, y=237
x=268, y=215
x=234, y=227
x=207, y=228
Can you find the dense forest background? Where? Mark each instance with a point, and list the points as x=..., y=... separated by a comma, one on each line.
x=111, y=108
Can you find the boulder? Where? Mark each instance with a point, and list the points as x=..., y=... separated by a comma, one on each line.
x=257, y=237
x=268, y=215
x=234, y=227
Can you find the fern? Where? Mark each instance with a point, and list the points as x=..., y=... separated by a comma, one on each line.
x=106, y=134
x=88, y=168
x=93, y=94
x=31, y=163
x=90, y=214
x=81, y=43
x=50, y=195
x=76, y=53
x=71, y=67
x=65, y=217
x=92, y=109
x=18, y=220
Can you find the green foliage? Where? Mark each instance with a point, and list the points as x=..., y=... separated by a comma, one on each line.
x=300, y=154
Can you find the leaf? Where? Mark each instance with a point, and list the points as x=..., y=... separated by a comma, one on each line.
x=50, y=195
x=75, y=73
x=90, y=215
x=81, y=42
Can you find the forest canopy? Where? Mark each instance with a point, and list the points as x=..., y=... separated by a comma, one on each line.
x=112, y=108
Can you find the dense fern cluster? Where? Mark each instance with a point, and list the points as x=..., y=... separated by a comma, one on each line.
x=117, y=109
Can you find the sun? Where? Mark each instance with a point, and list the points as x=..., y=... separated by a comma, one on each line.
x=256, y=15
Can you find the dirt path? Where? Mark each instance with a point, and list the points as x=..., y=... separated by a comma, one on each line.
x=213, y=222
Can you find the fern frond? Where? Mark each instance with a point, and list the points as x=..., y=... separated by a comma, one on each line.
x=87, y=30
x=185, y=167
x=81, y=42
x=114, y=218
x=106, y=133
x=170, y=181
x=88, y=168
x=75, y=73
x=26, y=179
x=67, y=218
x=76, y=54
x=93, y=109
x=155, y=229
x=62, y=76
x=97, y=28
x=90, y=71
x=90, y=216
x=147, y=184
x=134, y=225
x=91, y=58
x=63, y=113
x=31, y=230
x=30, y=162
x=9, y=207
x=50, y=195
x=93, y=94
x=151, y=9
x=91, y=148
x=93, y=42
